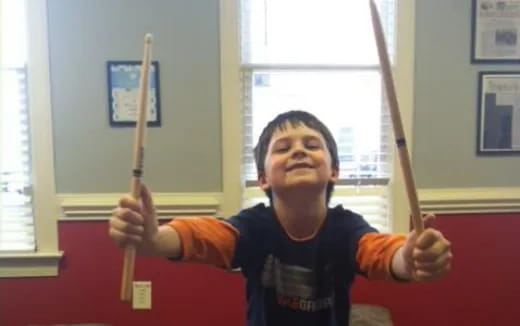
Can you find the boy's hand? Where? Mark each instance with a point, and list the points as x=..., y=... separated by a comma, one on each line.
x=427, y=257
x=135, y=222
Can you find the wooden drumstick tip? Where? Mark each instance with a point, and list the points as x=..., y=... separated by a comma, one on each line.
x=148, y=38
x=373, y=7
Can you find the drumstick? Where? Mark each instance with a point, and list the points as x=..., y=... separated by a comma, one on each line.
x=396, y=120
x=129, y=258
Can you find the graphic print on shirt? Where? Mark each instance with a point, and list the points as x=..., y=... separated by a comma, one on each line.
x=299, y=288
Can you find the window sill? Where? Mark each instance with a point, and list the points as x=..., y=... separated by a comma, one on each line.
x=30, y=264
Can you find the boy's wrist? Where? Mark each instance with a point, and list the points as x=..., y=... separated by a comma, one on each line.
x=165, y=242
x=399, y=268
x=148, y=247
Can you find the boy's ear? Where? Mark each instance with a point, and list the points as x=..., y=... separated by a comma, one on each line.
x=262, y=181
x=334, y=176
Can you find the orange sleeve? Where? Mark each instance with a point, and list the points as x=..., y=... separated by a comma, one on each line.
x=375, y=253
x=206, y=240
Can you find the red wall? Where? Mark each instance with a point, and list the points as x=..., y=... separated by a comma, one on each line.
x=483, y=289
x=484, y=285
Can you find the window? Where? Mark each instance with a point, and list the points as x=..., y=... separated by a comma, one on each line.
x=16, y=214
x=28, y=204
x=320, y=56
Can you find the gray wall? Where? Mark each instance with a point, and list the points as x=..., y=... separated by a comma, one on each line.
x=445, y=121
x=184, y=154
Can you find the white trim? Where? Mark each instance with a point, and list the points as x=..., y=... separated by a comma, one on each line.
x=44, y=190
x=230, y=107
x=470, y=200
x=31, y=255
x=403, y=73
x=39, y=264
x=99, y=206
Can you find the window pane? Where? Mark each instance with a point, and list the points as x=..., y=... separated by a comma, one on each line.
x=312, y=31
x=349, y=103
x=13, y=29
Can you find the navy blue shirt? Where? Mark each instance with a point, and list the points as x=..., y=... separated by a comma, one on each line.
x=298, y=282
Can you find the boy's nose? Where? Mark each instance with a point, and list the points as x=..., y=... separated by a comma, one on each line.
x=299, y=152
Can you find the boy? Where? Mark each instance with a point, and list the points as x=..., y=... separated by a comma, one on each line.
x=299, y=256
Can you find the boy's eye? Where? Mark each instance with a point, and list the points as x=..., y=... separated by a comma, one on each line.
x=281, y=146
x=281, y=149
x=313, y=144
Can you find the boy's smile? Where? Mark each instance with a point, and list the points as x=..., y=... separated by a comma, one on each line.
x=297, y=157
x=298, y=165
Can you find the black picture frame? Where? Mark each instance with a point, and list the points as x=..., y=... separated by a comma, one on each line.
x=123, y=87
x=498, y=108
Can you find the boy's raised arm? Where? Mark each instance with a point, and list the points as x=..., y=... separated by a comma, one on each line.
x=424, y=257
x=206, y=240
x=136, y=223
x=201, y=239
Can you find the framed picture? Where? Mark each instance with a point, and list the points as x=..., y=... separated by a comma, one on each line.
x=123, y=92
x=499, y=113
x=495, y=31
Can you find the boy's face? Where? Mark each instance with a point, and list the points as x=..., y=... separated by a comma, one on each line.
x=297, y=158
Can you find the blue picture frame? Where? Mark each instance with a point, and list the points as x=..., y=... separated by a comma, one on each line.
x=123, y=88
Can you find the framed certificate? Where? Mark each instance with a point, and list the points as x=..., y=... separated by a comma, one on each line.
x=499, y=113
x=495, y=31
x=123, y=92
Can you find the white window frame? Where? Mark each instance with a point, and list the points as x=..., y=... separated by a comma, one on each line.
x=232, y=113
x=44, y=261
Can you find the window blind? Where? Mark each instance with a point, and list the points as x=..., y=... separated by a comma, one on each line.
x=320, y=56
x=16, y=212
